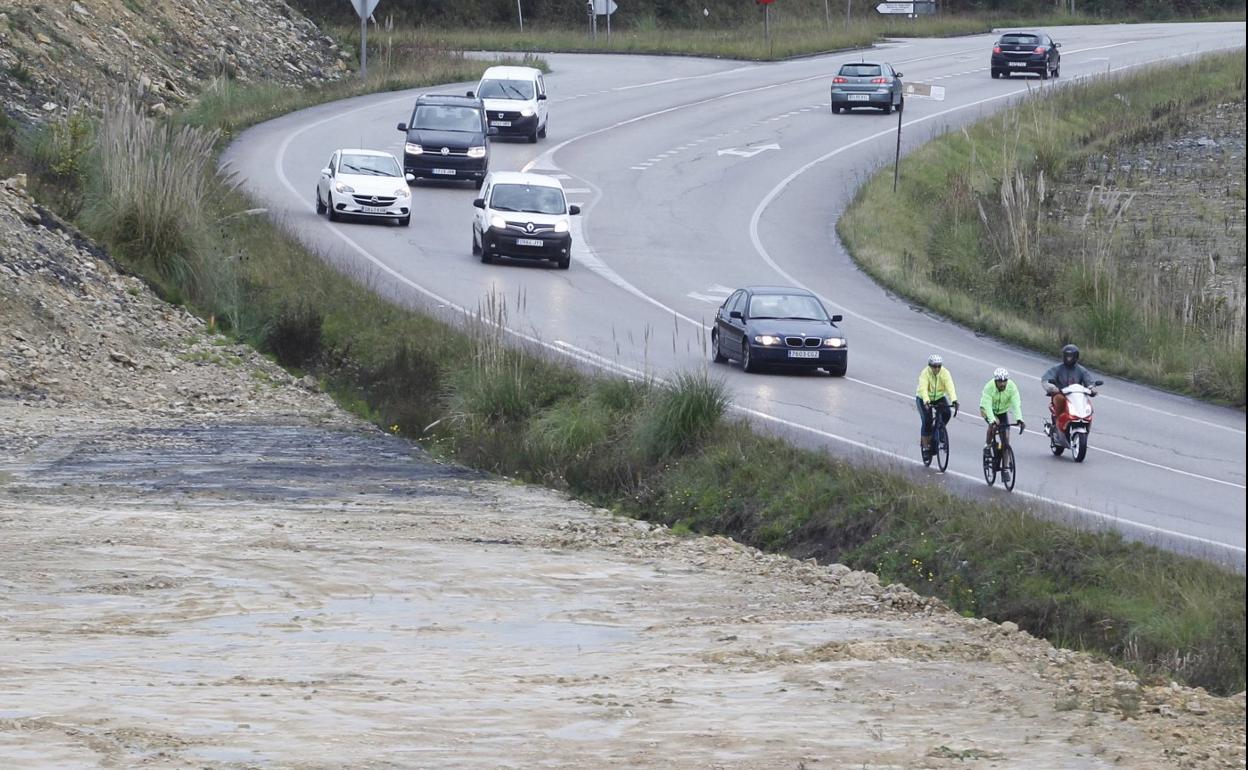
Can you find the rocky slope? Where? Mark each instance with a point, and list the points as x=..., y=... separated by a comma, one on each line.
x=54, y=52
x=192, y=533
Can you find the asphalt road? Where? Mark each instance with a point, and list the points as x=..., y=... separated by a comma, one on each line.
x=698, y=176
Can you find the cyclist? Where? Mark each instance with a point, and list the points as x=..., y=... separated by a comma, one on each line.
x=1068, y=372
x=1000, y=397
x=935, y=390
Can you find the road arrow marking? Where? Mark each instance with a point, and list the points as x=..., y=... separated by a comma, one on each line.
x=748, y=152
x=715, y=294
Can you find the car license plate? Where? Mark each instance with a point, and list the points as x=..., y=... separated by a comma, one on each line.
x=1018, y=64
x=803, y=354
x=444, y=171
x=528, y=242
x=501, y=123
x=859, y=97
x=373, y=209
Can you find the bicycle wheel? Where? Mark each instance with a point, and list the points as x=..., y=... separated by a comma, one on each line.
x=1007, y=468
x=942, y=449
x=990, y=468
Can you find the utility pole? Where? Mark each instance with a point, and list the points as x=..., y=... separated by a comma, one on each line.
x=520, y=15
x=848, y=6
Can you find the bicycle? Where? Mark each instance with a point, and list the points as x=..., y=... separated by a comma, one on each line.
x=939, y=444
x=999, y=458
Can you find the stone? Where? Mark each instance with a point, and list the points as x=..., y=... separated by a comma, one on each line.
x=1009, y=627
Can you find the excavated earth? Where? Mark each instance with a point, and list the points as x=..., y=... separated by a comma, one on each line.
x=206, y=564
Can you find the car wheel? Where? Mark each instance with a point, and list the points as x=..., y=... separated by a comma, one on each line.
x=333, y=215
x=836, y=110
x=747, y=360
x=485, y=256
x=533, y=137
x=996, y=74
x=541, y=132
x=1044, y=73
x=320, y=207
x=1057, y=71
x=888, y=108
x=565, y=263
x=476, y=247
x=717, y=356
x=838, y=370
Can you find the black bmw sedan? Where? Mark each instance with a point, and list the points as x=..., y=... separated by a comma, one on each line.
x=781, y=327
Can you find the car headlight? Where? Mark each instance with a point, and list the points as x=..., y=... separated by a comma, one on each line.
x=402, y=192
x=527, y=112
x=767, y=339
x=476, y=152
x=835, y=342
x=561, y=226
x=413, y=149
x=498, y=223
x=344, y=188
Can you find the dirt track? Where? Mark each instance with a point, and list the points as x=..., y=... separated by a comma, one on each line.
x=236, y=595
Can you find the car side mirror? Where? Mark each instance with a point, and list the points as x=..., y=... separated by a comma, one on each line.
x=836, y=319
x=574, y=209
x=326, y=172
x=735, y=314
x=470, y=95
x=897, y=74
x=479, y=203
x=541, y=97
x=410, y=177
x=1098, y=383
x=402, y=126
x=1057, y=45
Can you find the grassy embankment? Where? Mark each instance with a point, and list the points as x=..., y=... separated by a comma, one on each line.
x=662, y=452
x=796, y=33
x=978, y=243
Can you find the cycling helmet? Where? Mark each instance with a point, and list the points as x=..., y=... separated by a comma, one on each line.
x=935, y=360
x=1070, y=355
x=1000, y=375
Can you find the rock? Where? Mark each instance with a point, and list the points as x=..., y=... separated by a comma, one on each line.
x=1009, y=627
x=122, y=359
x=42, y=38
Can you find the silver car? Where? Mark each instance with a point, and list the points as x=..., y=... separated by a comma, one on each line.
x=867, y=84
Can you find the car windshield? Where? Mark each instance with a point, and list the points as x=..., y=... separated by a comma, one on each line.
x=536, y=199
x=506, y=89
x=370, y=165
x=794, y=306
x=861, y=70
x=443, y=117
x=1020, y=40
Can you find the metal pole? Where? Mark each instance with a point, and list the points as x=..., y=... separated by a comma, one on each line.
x=848, y=6
x=827, y=16
x=595, y=26
x=608, y=23
x=767, y=26
x=897, y=159
x=520, y=15
x=363, y=47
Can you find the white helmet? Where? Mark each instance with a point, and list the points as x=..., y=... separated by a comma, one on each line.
x=1000, y=374
x=935, y=360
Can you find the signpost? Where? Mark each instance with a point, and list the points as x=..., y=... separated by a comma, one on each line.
x=601, y=8
x=906, y=8
x=365, y=9
x=917, y=91
x=766, y=21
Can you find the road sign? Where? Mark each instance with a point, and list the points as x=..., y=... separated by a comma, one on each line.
x=604, y=7
x=764, y=2
x=924, y=91
x=906, y=8
x=364, y=8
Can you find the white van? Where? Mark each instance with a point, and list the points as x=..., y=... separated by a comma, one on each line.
x=515, y=101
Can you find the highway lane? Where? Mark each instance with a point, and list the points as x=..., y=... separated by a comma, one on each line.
x=698, y=176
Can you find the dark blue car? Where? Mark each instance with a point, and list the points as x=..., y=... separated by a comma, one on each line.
x=781, y=327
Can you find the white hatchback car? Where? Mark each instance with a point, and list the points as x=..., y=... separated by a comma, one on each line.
x=364, y=183
x=515, y=101
x=523, y=216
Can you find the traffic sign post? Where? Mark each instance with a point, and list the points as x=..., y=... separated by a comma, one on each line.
x=891, y=8
x=766, y=21
x=601, y=8
x=364, y=8
x=917, y=91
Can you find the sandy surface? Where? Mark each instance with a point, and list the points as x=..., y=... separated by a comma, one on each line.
x=239, y=595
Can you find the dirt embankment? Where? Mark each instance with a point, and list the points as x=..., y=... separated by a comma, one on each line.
x=208, y=565
x=53, y=52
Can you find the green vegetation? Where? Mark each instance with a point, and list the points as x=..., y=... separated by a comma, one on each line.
x=978, y=244
x=662, y=451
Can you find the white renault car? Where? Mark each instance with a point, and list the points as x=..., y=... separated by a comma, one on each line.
x=364, y=183
x=515, y=101
x=523, y=216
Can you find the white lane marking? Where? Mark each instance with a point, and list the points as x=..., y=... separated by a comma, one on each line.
x=748, y=152
x=775, y=191
x=639, y=168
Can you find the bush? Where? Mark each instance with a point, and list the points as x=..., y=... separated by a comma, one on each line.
x=294, y=335
x=679, y=415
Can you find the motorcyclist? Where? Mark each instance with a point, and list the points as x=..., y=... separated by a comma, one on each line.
x=1000, y=397
x=935, y=389
x=1068, y=372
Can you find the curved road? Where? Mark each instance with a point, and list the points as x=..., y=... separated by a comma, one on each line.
x=699, y=175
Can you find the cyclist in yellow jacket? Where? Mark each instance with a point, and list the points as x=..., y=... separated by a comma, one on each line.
x=935, y=390
x=1000, y=397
